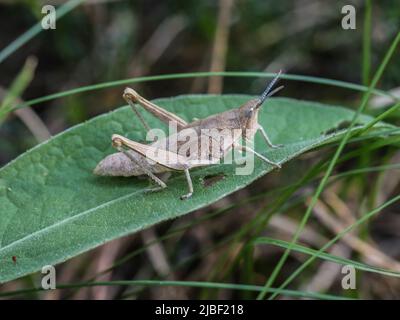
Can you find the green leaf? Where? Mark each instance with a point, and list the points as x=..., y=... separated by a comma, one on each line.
x=53, y=208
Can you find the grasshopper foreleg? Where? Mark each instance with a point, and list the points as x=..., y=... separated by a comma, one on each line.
x=269, y=143
x=244, y=148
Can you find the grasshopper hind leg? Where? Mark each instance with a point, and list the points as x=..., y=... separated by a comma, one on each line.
x=119, y=142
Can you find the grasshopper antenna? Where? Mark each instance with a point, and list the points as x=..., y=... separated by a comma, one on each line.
x=275, y=91
x=267, y=92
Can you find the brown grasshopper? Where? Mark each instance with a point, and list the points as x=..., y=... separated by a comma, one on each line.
x=137, y=159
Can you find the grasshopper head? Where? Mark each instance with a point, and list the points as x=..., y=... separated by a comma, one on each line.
x=249, y=113
x=249, y=110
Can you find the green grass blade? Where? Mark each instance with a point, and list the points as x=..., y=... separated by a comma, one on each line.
x=379, y=118
x=316, y=254
x=195, y=284
x=326, y=256
x=332, y=163
x=17, y=87
x=294, y=77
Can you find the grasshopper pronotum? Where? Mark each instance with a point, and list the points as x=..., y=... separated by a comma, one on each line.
x=136, y=159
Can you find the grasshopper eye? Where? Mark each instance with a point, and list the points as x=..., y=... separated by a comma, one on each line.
x=249, y=112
